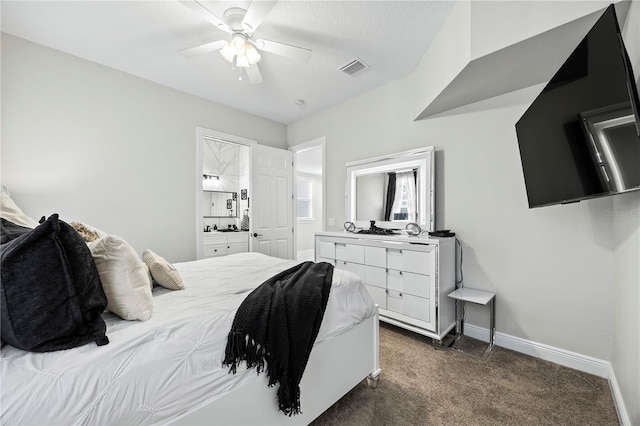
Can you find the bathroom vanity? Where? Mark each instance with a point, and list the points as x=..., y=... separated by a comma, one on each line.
x=218, y=243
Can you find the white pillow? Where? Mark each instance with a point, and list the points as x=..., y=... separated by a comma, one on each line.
x=11, y=212
x=162, y=271
x=125, y=278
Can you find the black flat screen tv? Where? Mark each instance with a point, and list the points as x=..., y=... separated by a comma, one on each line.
x=580, y=138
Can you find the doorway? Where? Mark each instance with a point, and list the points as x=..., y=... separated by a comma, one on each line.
x=254, y=184
x=223, y=187
x=310, y=195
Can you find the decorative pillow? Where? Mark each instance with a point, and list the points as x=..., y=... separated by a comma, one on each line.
x=52, y=298
x=87, y=232
x=164, y=273
x=125, y=278
x=10, y=231
x=11, y=212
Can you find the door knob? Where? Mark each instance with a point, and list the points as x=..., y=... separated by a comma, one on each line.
x=255, y=234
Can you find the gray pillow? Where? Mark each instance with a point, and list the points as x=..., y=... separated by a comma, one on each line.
x=51, y=295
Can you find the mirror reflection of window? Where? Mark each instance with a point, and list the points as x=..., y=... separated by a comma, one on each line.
x=304, y=198
x=401, y=196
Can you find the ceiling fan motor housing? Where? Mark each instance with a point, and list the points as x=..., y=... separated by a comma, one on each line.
x=233, y=17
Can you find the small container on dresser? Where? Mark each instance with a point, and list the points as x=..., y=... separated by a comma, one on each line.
x=407, y=277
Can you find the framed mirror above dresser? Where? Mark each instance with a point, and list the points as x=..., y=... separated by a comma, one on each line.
x=393, y=190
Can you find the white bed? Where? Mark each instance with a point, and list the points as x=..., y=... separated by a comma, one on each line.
x=169, y=369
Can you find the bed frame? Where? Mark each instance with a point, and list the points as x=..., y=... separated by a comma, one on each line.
x=335, y=367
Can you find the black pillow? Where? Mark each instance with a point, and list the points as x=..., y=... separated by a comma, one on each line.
x=51, y=295
x=10, y=231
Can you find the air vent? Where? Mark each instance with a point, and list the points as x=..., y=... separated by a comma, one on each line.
x=353, y=67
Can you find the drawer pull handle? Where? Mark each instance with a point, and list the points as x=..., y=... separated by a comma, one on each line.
x=400, y=272
x=400, y=294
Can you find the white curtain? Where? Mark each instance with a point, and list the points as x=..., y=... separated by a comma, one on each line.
x=405, y=180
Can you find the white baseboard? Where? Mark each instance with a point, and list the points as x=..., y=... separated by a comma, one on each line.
x=623, y=415
x=559, y=356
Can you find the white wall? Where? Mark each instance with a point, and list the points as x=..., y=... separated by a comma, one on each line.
x=107, y=148
x=625, y=217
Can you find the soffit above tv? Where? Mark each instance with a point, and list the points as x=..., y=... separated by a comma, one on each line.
x=523, y=64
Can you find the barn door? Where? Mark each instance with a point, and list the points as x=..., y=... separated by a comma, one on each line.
x=272, y=201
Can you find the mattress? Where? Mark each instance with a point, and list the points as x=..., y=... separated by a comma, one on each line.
x=155, y=370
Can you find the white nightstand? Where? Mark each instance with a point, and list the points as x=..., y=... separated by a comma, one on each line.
x=479, y=297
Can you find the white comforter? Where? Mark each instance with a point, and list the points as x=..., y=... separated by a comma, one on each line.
x=152, y=371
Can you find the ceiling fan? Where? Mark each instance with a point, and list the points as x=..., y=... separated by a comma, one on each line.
x=241, y=50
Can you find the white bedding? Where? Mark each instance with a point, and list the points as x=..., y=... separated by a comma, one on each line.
x=152, y=371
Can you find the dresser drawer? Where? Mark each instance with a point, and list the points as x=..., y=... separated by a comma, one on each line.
x=241, y=237
x=375, y=276
x=406, y=304
x=379, y=295
x=237, y=248
x=324, y=259
x=210, y=240
x=327, y=249
x=376, y=256
x=419, y=262
x=410, y=283
x=211, y=251
x=350, y=253
x=356, y=268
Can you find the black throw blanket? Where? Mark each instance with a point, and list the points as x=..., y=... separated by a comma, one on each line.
x=277, y=324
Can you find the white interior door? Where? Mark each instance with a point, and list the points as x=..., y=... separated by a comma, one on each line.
x=272, y=201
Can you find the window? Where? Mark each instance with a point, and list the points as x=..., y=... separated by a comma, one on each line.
x=304, y=198
x=403, y=212
x=404, y=199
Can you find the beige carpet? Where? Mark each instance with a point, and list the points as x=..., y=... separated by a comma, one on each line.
x=423, y=385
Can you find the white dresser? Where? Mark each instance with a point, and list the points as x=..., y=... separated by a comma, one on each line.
x=408, y=277
x=223, y=243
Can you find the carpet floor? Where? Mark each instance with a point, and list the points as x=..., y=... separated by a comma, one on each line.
x=422, y=384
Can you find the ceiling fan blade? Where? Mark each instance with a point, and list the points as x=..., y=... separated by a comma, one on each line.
x=254, y=75
x=203, y=48
x=256, y=13
x=286, y=50
x=206, y=14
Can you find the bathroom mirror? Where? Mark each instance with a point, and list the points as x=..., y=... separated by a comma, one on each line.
x=219, y=204
x=393, y=190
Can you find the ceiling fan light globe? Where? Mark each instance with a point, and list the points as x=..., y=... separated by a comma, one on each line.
x=238, y=42
x=242, y=61
x=228, y=52
x=252, y=54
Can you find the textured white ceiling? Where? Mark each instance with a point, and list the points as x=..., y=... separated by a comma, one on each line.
x=143, y=38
